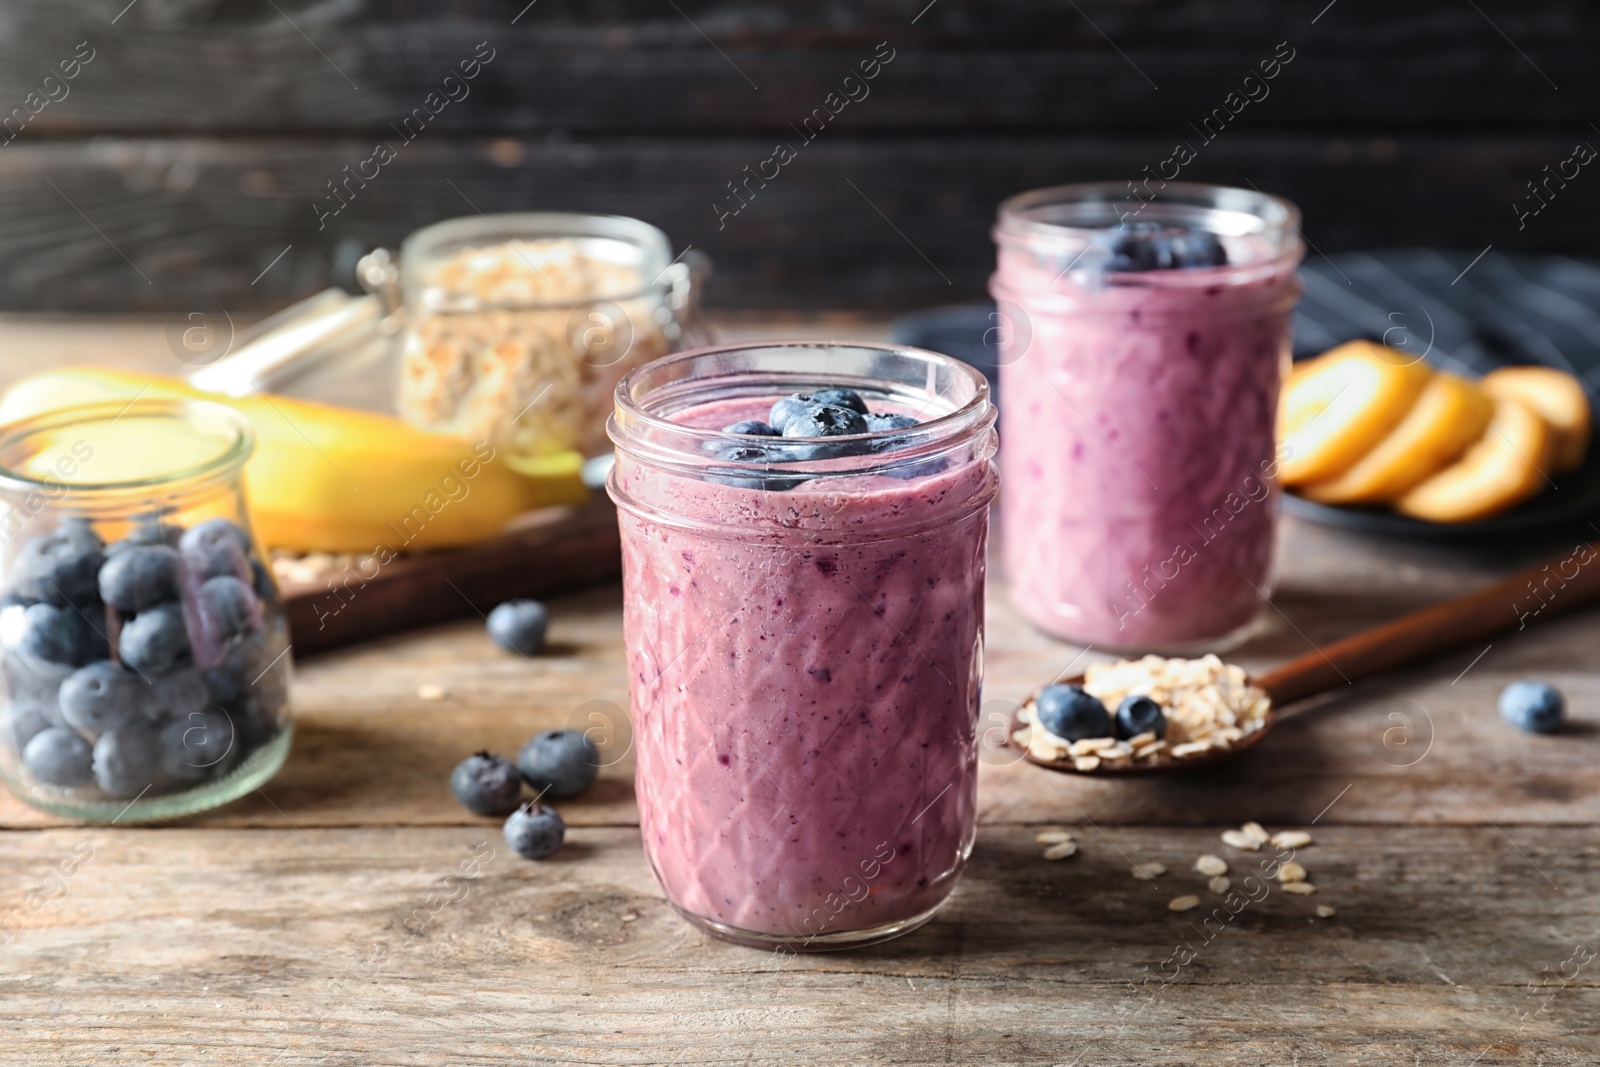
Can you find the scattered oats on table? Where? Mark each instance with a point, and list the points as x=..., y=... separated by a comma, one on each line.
x=1051, y=837
x=1209, y=864
x=1299, y=889
x=1219, y=885
x=430, y=692
x=1325, y=911
x=1290, y=839
x=1183, y=903
x=1291, y=872
x=1149, y=870
x=1255, y=830
x=1238, y=839
x=1061, y=850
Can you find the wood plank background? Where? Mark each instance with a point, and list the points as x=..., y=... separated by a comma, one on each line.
x=189, y=152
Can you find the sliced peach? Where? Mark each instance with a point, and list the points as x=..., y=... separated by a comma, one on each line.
x=1450, y=414
x=1337, y=411
x=1556, y=397
x=1504, y=468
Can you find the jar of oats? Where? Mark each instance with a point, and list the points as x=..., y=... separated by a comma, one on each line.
x=519, y=326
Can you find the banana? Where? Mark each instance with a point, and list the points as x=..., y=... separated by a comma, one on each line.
x=331, y=479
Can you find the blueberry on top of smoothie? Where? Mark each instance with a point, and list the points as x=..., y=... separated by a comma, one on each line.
x=751, y=427
x=1142, y=246
x=788, y=407
x=824, y=420
x=876, y=422
x=1070, y=713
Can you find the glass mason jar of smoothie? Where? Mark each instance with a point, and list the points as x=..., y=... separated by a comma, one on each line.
x=804, y=625
x=143, y=648
x=1142, y=346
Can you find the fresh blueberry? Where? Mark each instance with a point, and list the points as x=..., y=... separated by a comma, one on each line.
x=840, y=398
x=1139, y=714
x=1143, y=246
x=155, y=642
x=215, y=547
x=177, y=695
x=127, y=760
x=21, y=721
x=559, y=763
x=877, y=422
x=786, y=407
x=735, y=452
x=519, y=626
x=258, y=721
x=1533, y=706
x=65, y=634
x=487, y=784
x=34, y=680
x=824, y=420
x=146, y=534
x=227, y=608
x=101, y=697
x=58, y=756
x=266, y=589
x=1070, y=713
x=534, y=831
x=140, y=577
x=751, y=427
x=60, y=567
x=199, y=745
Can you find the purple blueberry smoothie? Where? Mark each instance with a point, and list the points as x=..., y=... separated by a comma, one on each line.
x=804, y=655
x=1139, y=384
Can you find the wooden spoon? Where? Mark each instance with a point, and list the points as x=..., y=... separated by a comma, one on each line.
x=1558, y=585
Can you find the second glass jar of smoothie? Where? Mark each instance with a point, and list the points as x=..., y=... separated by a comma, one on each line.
x=804, y=625
x=1142, y=345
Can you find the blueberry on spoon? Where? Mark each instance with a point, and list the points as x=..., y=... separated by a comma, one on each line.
x=1070, y=713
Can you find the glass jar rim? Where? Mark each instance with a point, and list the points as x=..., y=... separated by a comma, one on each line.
x=483, y=230
x=1047, y=215
x=632, y=421
x=228, y=460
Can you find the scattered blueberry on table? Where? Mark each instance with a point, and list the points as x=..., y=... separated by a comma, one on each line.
x=1139, y=715
x=1533, y=706
x=487, y=784
x=143, y=666
x=519, y=626
x=1070, y=713
x=559, y=763
x=534, y=831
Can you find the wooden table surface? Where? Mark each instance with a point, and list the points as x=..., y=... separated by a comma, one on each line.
x=324, y=920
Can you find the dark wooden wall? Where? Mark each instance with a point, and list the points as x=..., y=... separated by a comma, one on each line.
x=190, y=151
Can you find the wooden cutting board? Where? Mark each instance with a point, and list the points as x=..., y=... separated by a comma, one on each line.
x=549, y=552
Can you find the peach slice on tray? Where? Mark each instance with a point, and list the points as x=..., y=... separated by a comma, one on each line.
x=1505, y=467
x=1449, y=415
x=1336, y=409
x=1556, y=397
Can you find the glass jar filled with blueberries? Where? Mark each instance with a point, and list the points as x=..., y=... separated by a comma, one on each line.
x=143, y=649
